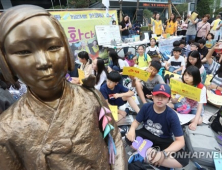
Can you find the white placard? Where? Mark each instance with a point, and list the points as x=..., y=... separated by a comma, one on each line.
x=107, y=33
x=185, y=118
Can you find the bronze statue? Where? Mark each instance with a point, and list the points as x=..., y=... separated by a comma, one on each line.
x=55, y=125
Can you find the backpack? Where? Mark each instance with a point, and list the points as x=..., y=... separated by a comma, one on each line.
x=145, y=57
x=202, y=140
x=216, y=120
x=129, y=58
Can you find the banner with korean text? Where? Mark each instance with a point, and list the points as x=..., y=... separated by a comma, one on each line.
x=191, y=92
x=79, y=27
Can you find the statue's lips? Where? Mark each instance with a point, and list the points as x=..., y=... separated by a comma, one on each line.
x=47, y=77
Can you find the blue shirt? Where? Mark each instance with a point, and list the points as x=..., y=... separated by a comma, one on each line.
x=108, y=94
x=162, y=125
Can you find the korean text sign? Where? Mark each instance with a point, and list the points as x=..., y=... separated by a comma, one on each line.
x=136, y=72
x=191, y=92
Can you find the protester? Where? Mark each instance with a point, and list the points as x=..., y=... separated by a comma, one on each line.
x=144, y=89
x=86, y=66
x=183, y=48
x=125, y=25
x=184, y=26
x=176, y=63
x=218, y=36
x=153, y=49
x=158, y=26
x=203, y=50
x=150, y=22
x=179, y=25
x=116, y=63
x=194, y=59
x=210, y=41
x=159, y=123
x=116, y=94
x=142, y=59
x=100, y=72
x=215, y=24
x=191, y=29
x=203, y=28
x=191, y=76
x=216, y=71
x=171, y=25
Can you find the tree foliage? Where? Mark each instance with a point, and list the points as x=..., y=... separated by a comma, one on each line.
x=217, y=4
x=205, y=7
x=147, y=13
x=77, y=4
x=181, y=8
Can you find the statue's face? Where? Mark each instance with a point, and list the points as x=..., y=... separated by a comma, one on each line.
x=36, y=54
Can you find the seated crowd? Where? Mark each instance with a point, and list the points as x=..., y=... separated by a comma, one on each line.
x=192, y=62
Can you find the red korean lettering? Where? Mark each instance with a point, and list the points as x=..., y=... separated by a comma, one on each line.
x=86, y=35
x=72, y=32
x=92, y=34
x=80, y=34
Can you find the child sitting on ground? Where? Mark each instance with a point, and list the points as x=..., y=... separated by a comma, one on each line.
x=194, y=59
x=183, y=48
x=142, y=59
x=159, y=123
x=116, y=94
x=144, y=89
x=176, y=63
x=175, y=44
x=191, y=76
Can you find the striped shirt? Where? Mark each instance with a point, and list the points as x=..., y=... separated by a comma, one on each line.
x=213, y=68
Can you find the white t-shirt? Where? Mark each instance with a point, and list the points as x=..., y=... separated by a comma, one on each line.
x=122, y=63
x=103, y=77
x=176, y=63
x=152, y=49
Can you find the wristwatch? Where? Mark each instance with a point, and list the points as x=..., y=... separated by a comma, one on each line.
x=165, y=154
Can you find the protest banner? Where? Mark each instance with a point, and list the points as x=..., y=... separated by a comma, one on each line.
x=79, y=27
x=81, y=75
x=193, y=16
x=136, y=72
x=213, y=98
x=114, y=111
x=177, y=76
x=191, y=92
x=167, y=44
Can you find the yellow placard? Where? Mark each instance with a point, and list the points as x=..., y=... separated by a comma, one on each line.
x=194, y=16
x=81, y=75
x=213, y=98
x=191, y=92
x=176, y=76
x=136, y=72
x=208, y=79
x=114, y=111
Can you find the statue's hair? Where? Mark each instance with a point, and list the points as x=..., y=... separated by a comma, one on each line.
x=15, y=16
